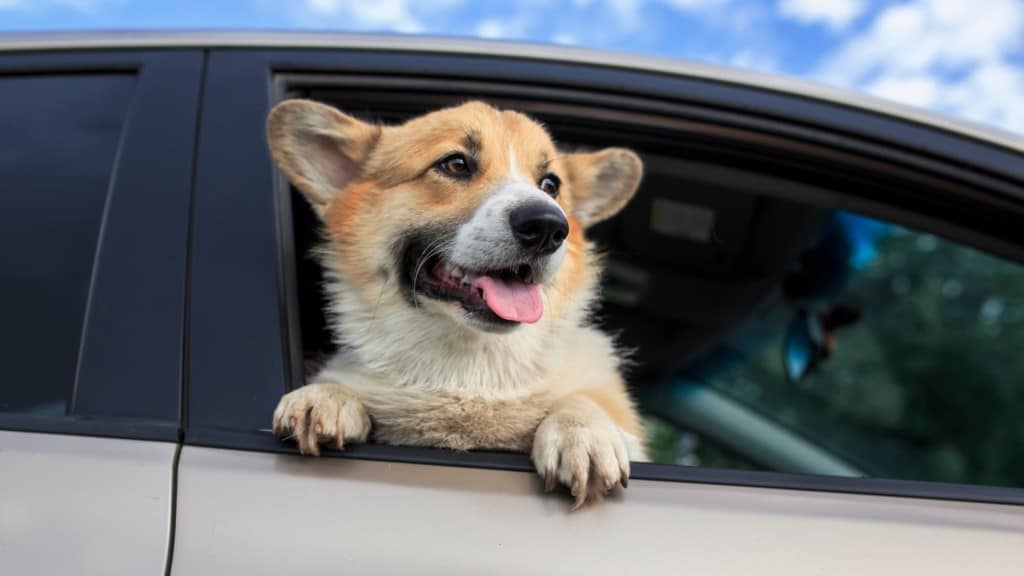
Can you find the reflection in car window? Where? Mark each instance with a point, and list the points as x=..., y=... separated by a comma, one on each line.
x=897, y=351
x=59, y=137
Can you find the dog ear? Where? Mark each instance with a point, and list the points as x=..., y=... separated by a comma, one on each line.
x=602, y=182
x=318, y=148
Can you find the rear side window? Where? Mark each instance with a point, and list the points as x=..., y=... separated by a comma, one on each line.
x=59, y=138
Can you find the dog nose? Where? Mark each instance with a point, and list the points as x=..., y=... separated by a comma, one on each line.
x=539, y=227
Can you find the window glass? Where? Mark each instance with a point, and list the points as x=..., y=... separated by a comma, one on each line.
x=59, y=140
x=895, y=351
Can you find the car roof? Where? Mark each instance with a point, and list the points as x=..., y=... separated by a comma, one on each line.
x=128, y=39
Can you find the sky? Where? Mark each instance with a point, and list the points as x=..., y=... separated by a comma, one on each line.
x=964, y=58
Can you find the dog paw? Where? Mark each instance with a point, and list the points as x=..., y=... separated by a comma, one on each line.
x=588, y=455
x=321, y=414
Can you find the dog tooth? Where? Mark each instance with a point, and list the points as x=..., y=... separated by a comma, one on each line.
x=456, y=272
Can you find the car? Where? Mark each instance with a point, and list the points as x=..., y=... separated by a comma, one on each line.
x=824, y=294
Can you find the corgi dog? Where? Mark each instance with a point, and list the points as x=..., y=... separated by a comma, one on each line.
x=460, y=281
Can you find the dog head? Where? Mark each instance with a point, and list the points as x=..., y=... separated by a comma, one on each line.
x=469, y=212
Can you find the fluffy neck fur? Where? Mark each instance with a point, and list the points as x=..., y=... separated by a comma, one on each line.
x=392, y=342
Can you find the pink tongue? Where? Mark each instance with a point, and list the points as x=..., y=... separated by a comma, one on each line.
x=513, y=301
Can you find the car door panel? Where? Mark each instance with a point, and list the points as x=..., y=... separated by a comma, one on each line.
x=84, y=505
x=255, y=513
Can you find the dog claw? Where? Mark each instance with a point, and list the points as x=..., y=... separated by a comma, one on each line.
x=580, y=499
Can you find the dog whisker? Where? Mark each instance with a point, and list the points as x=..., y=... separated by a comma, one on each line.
x=433, y=249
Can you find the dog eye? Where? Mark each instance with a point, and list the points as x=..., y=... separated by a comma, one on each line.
x=550, y=184
x=455, y=165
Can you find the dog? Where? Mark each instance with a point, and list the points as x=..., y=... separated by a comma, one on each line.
x=460, y=285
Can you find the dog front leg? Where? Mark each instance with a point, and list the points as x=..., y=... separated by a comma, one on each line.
x=580, y=446
x=322, y=413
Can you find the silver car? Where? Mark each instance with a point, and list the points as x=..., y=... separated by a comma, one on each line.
x=824, y=292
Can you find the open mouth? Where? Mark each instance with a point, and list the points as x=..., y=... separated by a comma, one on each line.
x=502, y=296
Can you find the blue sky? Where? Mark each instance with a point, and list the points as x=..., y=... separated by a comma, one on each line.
x=960, y=57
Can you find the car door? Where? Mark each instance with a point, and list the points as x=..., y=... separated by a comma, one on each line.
x=246, y=503
x=95, y=172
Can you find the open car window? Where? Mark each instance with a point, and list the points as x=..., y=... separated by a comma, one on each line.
x=770, y=334
x=773, y=334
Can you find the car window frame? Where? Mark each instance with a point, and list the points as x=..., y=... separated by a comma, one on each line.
x=129, y=382
x=253, y=296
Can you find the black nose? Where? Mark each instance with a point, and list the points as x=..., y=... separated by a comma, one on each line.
x=539, y=227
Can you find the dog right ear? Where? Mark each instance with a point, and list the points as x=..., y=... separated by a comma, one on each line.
x=318, y=148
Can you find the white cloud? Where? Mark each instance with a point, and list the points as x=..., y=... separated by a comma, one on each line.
x=491, y=28
x=949, y=55
x=917, y=89
x=626, y=11
x=835, y=14
x=393, y=15
x=515, y=26
x=992, y=93
x=564, y=38
x=931, y=33
x=754, y=60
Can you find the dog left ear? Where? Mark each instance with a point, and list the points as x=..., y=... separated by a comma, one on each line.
x=602, y=182
x=319, y=148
